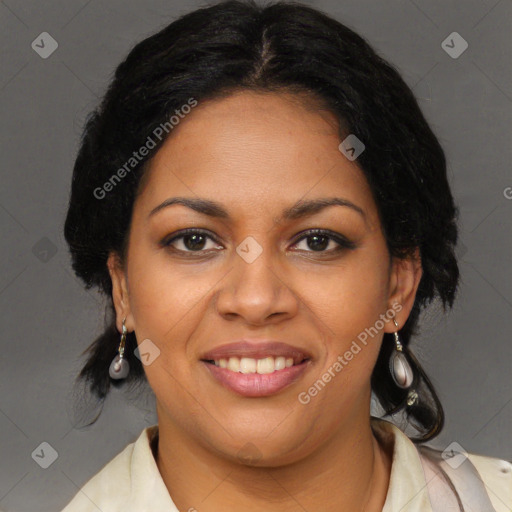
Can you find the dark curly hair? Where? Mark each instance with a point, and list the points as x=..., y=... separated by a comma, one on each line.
x=283, y=46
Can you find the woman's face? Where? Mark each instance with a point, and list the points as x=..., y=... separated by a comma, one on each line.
x=248, y=271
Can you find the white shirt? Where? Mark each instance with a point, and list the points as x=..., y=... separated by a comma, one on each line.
x=131, y=482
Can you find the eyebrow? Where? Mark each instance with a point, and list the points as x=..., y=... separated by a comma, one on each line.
x=300, y=209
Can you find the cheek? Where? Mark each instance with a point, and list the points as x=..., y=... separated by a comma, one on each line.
x=167, y=306
x=163, y=297
x=349, y=297
x=349, y=303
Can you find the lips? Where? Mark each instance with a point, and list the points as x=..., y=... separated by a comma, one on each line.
x=257, y=350
x=256, y=369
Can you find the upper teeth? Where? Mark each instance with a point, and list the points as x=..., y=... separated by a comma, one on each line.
x=249, y=365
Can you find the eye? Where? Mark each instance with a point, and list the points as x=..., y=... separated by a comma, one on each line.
x=321, y=239
x=191, y=240
x=196, y=241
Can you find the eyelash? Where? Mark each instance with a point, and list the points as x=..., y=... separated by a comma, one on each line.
x=343, y=242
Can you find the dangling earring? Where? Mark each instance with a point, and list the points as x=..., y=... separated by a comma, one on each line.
x=401, y=370
x=119, y=367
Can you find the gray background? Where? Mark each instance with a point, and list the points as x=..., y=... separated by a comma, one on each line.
x=47, y=318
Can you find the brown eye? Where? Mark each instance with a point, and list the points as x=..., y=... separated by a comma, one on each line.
x=318, y=240
x=191, y=240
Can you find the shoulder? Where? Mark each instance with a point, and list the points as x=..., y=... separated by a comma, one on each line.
x=108, y=488
x=480, y=480
x=497, y=477
x=489, y=475
x=109, y=481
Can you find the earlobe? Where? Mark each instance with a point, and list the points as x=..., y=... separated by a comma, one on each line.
x=120, y=295
x=404, y=281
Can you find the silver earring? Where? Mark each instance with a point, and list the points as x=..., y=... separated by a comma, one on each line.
x=119, y=367
x=399, y=367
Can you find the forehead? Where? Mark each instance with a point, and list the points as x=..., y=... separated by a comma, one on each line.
x=258, y=151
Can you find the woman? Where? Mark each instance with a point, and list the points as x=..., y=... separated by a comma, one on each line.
x=263, y=201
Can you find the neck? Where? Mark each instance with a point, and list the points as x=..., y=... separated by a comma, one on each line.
x=349, y=473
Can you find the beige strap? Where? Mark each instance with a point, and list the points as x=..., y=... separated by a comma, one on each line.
x=453, y=489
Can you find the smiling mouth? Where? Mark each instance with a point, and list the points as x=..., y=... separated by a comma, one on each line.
x=266, y=365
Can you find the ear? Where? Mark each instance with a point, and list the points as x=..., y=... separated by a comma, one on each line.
x=404, y=281
x=120, y=292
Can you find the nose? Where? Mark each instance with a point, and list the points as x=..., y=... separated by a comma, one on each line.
x=258, y=291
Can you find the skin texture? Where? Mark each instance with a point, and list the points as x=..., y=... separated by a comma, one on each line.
x=257, y=154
